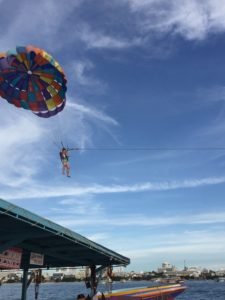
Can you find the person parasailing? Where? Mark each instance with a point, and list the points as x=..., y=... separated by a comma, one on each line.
x=64, y=156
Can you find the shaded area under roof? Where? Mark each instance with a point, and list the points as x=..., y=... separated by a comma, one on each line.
x=61, y=247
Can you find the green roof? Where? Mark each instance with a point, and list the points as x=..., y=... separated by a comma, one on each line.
x=61, y=247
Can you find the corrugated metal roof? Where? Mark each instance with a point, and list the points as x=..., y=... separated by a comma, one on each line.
x=60, y=246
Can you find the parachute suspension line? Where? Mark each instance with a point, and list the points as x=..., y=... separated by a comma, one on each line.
x=60, y=130
x=56, y=145
x=57, y=132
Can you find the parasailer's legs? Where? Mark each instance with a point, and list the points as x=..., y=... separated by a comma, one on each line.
x=66, y=168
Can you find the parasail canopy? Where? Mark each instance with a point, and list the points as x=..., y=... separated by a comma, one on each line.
x=32, y=79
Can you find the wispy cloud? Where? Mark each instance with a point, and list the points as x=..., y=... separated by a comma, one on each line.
x=92, y=113
x=191, y=19
x=103, y=40
x=139, y=220
x=199, y=248
x=152, y=20
x=149, y=20
x=211, y=95
x=98, y=237
x=18, y=138
x=35, y=191
x=17, y=31
x=79, y=206
x=89, y=120
x=82, y=72
x=195, y=246
x=207, y=99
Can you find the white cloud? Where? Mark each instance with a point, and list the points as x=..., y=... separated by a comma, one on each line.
x=211, y=95
x=206, y=248
x=79, y=206
x=152, y=19
x=203, y=247
x=215, y=132
x=100, y=39
x=98, y=237
x=36, y=23
x=81, y=72
x=191, y=19
x=136, y=220
x=18, y=133
x=89, y=120
x=36, y=191
x=92, y=113
x=214, y=129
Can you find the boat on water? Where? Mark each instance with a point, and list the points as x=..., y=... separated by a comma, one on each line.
x=166, y=292
x=169, y=280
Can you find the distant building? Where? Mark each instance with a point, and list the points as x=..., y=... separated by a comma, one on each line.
x=167, y=268
x=57, y=276
x=78, y=273
x=220, y=272
x=194, y=271
x=119, y=272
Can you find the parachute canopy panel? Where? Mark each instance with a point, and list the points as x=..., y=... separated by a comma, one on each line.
x=61, y=247
x=32, y=79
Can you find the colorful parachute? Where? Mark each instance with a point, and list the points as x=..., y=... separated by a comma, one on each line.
x=32, y=79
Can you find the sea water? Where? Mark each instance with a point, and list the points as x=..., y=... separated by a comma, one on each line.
x=196, y=290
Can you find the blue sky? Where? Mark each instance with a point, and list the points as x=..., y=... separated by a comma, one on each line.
x=141, y=74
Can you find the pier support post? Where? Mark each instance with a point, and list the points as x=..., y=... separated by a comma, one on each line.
x=24, y=284
x=93, y=280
